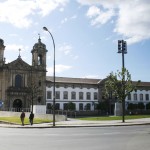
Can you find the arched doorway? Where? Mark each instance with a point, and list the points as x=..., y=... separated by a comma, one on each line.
x=17, y=104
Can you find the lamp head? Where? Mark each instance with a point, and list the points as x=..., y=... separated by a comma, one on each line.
x=44, y=28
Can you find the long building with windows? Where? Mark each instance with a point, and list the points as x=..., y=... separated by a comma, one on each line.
x=86, y=93
x=140, y=96
x=82, y=92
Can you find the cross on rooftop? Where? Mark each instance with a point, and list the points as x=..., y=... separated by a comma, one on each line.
x=19, y=53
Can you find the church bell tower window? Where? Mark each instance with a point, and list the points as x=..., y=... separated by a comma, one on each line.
x=40, y=60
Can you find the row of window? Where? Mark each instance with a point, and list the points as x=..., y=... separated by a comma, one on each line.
x=72, y=86
x=73, y=95
x=65, y=106
x=141, y=97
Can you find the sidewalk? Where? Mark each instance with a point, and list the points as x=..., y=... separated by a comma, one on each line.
x=81, y=123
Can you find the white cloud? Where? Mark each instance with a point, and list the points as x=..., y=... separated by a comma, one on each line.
x=58, y=69
x=19, y=12
x=98, y=16
x=65, y=48
x=91, y=77
x=67, y=19
x=61, y=9
x=132, y=19
x=93, y=11
x=46, y=6
x=104, y=3
x=74, y=17
x=75, y=57
x=16, y=12
x=64, y=20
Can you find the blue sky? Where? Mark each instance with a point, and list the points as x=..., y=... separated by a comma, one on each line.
x=85, y=33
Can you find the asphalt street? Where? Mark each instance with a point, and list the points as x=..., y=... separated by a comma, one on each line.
x=87, y=138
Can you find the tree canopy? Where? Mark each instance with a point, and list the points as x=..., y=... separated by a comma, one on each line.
x=119, y=85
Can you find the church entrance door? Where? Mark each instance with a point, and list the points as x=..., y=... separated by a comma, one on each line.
x=17, y=104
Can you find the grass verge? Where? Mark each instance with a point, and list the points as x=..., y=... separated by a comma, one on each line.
x=16, y=120
x=107, y=118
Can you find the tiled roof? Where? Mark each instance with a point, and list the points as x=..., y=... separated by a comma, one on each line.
x=145, y=84
x=86, y=81
x=73, y=80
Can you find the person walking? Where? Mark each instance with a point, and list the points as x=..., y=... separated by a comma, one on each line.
x=22, y=116
x=31, y=117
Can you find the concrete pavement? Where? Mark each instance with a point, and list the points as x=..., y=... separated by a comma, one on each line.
x=82, y=123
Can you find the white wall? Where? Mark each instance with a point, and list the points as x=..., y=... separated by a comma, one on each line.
x=144, y=92
x=61, y=101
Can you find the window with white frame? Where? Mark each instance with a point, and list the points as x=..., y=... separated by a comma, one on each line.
x=73, y=95
x=95, y=95
x=141, y=97
x=135, y=96
x=80, y=95
x=147, y=97
x=57, y=106
x=57, y=94
x=80, y=106
x=65, y=106
x=129, y=96
x=88, y=95
x=65, y=96
x=49, y=106
x=49, y=95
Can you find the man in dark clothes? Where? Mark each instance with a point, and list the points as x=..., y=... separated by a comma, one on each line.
x=31, y=118
x=22, y=116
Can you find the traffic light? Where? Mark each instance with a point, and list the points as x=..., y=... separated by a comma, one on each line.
x=124, y=47
x=119, y=46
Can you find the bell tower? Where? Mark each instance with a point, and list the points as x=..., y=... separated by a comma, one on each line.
x=38, y=73
x=2, y=48
x=39, y=55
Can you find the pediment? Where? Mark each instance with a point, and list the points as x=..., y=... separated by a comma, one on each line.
x=19, y=64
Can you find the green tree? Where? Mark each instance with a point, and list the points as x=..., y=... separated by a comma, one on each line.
x=130, y=106
x=103, y=106
x=148, y=106
x=71, y=106
x=141, y=105
x=120, y=85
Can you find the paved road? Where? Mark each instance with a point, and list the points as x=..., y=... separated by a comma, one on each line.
x=88, y=138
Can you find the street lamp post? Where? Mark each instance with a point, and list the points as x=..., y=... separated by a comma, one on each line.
x=122, y=48
x=44, y=28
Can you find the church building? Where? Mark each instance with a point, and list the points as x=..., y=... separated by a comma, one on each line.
x=21, y=84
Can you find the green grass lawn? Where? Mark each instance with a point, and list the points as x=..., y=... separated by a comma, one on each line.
x=107, y=118
x=16, y=120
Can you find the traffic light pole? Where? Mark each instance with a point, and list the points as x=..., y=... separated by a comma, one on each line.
x=122, y=48
x=123, y=79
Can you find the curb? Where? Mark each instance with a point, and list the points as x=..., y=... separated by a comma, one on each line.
x=71, y=126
